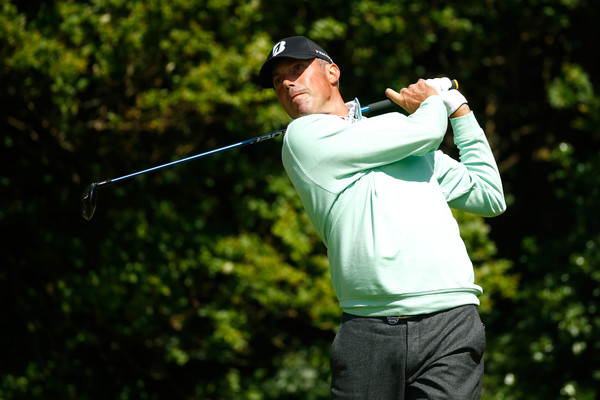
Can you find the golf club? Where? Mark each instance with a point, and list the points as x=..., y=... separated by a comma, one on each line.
x=90, y=195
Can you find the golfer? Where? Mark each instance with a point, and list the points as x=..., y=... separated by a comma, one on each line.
x=379, y=194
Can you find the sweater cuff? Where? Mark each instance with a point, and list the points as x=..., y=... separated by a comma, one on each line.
x=465, y=122
x=466, y=127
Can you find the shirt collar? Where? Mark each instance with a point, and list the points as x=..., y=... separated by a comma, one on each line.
x=354, y=111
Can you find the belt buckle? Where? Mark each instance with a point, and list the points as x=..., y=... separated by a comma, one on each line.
x=393, y=320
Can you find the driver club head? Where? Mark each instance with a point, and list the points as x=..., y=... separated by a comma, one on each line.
x=88, y=201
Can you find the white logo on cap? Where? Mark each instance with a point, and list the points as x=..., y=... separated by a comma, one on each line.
x=278, y=48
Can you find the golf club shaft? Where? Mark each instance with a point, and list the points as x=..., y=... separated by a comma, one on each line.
x=208, y=153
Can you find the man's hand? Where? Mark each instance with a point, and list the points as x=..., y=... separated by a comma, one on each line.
x=410, y=98
x=455, y=102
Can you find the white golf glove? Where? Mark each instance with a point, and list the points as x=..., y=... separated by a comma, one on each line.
x=452, y=98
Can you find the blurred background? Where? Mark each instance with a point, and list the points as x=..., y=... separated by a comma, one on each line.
x=206, y=280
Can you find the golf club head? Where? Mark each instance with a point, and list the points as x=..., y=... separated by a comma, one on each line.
x=88, y=202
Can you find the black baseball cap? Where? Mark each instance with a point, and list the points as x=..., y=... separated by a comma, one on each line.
x=298, y=47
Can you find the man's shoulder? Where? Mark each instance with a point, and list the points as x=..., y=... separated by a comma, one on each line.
x=315, y=125
x=313, y=119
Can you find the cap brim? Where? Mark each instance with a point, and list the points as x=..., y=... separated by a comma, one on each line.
x=265, y=76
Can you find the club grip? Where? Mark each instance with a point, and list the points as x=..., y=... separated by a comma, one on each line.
x=380, y=105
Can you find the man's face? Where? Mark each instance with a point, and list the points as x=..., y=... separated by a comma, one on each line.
x=304, y=87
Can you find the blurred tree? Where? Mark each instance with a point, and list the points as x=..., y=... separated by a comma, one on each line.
x=207, y=281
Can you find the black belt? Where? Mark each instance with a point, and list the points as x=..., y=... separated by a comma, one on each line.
x=391, y=320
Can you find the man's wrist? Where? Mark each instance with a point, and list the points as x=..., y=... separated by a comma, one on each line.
x=461, y=111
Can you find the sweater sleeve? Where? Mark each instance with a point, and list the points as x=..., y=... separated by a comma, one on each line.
x=474, y=183
x=331, y=151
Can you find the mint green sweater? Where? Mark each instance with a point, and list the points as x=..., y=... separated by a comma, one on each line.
x=379, y=195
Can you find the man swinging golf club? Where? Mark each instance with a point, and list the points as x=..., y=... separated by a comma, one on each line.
x=379, y=194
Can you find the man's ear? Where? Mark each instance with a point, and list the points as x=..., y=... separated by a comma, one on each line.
x=333, y=73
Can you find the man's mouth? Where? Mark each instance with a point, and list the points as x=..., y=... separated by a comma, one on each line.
x=296, y=95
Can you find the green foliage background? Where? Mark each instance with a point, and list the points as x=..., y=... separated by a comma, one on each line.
x=206, y=280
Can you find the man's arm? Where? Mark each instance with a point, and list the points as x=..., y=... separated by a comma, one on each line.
x=333, y=153
x=474, y=183
x=370, y=143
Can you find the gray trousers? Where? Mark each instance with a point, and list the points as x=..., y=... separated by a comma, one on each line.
x=433, y=356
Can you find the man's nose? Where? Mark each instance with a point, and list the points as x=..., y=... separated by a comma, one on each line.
x=288, y=83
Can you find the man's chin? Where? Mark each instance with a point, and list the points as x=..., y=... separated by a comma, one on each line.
x=297, y=114
x=304, y=111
